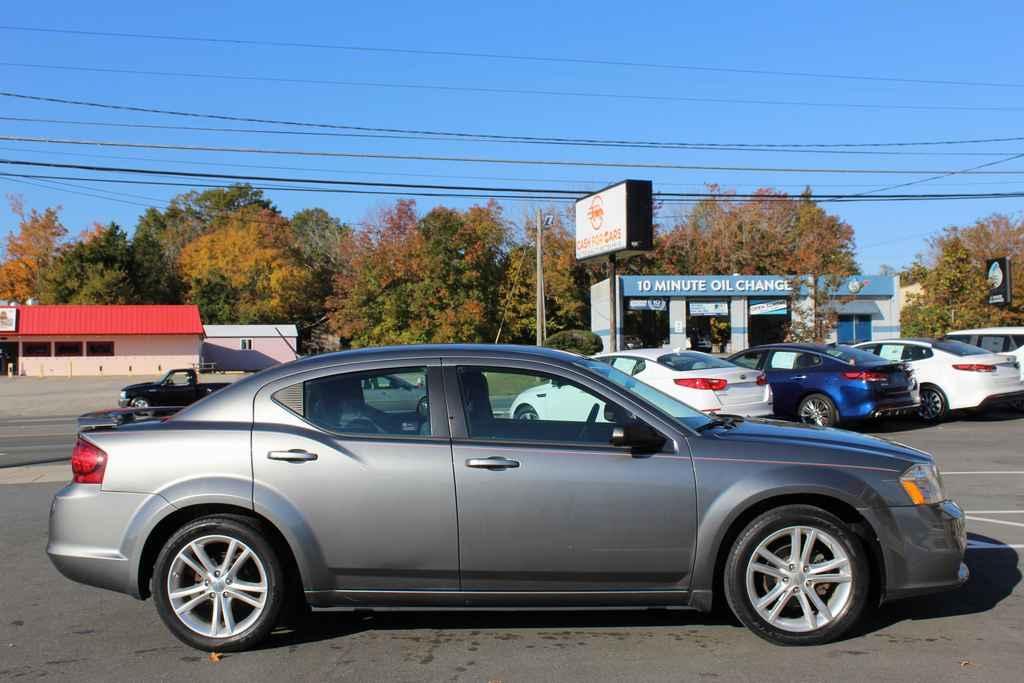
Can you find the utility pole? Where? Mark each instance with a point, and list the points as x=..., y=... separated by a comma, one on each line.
x=541, y=313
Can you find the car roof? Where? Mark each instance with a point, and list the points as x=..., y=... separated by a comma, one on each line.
x=793, y=346
x=989, y=330
x=923, y=341
x=652, y=354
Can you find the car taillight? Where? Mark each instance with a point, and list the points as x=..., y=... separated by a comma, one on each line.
x=88, y=463
x=866, y=375
x=975, y=367
x=710, y=383
x=762, y=379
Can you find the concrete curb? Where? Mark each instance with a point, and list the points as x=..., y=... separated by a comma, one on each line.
x=35, y=474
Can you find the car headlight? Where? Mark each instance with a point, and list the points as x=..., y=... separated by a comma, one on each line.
x=923, y=484
x=124, y=394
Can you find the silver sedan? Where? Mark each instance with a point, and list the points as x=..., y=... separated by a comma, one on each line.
x=326, y=483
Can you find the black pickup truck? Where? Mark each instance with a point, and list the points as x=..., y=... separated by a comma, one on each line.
x=178, y=387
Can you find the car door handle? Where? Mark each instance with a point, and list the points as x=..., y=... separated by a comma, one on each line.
x=492, y=463
x=800, y=377
x=294, y=455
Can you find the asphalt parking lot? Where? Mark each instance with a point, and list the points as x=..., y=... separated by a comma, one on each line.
x=50, y=627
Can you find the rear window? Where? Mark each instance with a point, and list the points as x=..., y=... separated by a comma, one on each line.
x=958, y=348
x=851, y=356
x=683, y=362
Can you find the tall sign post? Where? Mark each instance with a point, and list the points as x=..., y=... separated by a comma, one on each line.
x=617, y=221
x=542, y=314
x=999, y=272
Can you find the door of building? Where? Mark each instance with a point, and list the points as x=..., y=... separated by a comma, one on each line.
x=853, y=329
x=8, y=357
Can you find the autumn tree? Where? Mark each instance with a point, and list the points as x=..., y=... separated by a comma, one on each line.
x=247, y=270
x=96, y=269
x=29, y=251
x=434, y=279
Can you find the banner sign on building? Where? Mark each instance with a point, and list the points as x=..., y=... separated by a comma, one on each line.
x=1000, y=281
x=708, y=308
x=8, y=319
x=616, y=219
x=647, y=304
x=769, y=307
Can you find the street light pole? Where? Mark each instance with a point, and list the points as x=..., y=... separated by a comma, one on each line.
x=541, y=313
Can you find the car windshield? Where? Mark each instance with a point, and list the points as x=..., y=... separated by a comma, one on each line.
x=959, y=348
x=684, y=361
x=677, y=410
x=852, y=356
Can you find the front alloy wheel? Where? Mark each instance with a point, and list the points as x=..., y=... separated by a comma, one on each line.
x=218, y=584
x=797, y=575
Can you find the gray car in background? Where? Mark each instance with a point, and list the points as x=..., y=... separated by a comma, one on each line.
x=396, y=477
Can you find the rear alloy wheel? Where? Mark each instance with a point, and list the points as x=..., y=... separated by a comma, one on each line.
x=818, y=409
x=526, y=412
x=797, y=575
x=934, y=406
x=218, y=584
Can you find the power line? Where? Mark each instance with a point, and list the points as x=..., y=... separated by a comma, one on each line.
x=510, y=57
x=484, y=160
x=503, y=139
x=470, y=135
x=485, y=193
x=510, y=91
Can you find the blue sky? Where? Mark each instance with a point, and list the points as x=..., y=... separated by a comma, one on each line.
x=933, y=41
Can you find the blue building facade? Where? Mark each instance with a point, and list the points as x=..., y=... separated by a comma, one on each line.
x=727, y=313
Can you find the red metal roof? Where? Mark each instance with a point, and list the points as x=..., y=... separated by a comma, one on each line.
x=70, y=319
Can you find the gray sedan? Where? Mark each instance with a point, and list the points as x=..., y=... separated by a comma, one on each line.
x=298, y=487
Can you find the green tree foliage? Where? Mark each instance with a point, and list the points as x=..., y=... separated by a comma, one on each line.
x=583, y=342
x=953, y=279
x=97, y=269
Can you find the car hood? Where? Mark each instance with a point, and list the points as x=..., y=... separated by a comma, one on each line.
x=838, y=442
x=140, y=385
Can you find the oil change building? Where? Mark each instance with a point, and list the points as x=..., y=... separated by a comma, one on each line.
x=739, y=311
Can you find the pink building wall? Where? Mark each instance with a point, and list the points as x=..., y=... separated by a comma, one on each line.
x=133, y=355
x=227, y=353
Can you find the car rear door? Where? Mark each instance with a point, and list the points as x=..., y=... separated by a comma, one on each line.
x=368, y=491
x=550, y=506
x=788, y=373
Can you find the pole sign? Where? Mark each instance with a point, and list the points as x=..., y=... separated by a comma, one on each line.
x=1000, y=281
x=619, y=218
x=8, y=319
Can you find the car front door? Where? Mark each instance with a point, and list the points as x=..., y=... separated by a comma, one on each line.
x=549, y=505
x=178, y=389
x=368, y=493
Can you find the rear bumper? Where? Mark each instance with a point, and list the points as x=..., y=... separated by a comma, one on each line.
x=892, y=411
x=923, y=548
x=96, y=536
x=1001, y=399
x=754, y=409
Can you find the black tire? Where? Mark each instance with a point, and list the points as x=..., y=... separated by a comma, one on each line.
x=822, y=405
x=139, y=403
x=526, y=412
x=249, y=533
x=776, y=520
x=934, y=404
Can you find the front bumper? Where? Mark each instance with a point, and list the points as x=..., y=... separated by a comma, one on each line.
x=923, y=548
x=96, y=536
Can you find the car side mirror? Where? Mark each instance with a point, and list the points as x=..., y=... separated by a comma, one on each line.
x=638, y=436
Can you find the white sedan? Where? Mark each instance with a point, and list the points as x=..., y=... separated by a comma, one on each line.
x=698, y=379
x=953, y=375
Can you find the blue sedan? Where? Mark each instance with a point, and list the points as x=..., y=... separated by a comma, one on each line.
x=825, y=384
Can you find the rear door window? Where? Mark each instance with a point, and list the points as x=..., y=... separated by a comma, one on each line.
x=890, y=351
x=750, y=359
x=626, y=365
x=389, y=402
x=996, y=343
x=912, y=352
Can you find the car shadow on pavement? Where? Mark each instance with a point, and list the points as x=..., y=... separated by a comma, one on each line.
x=995, y=572
x=321, y=626
x=910, y=424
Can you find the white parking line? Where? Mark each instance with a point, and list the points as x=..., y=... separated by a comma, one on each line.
x=982, y=545
x=995, y=521
x=944, y=473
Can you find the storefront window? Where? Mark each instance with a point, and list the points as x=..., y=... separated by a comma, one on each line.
x=99, y=348
x=67, y=348
x=768, y=320
x=35, y=349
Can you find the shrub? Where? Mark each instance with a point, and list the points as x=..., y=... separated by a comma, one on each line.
x=583, y=342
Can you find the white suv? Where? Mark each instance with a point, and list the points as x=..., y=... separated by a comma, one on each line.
x=954, y=375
